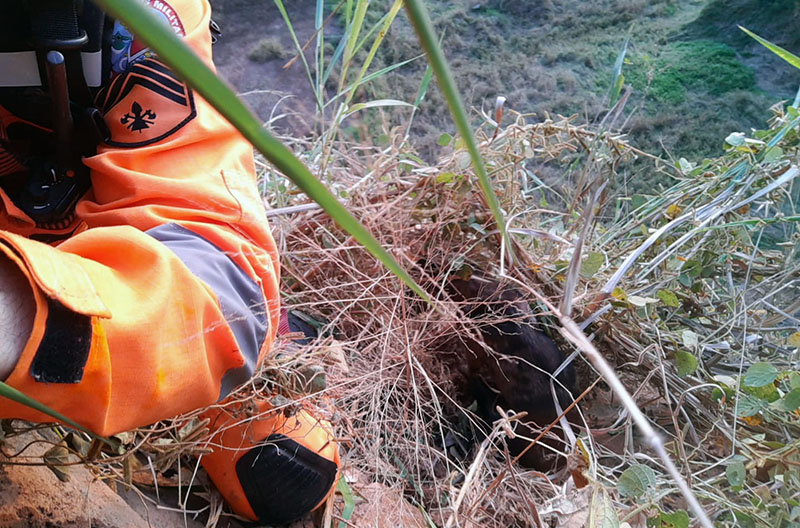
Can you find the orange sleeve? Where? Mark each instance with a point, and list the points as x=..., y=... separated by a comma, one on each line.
x=169, y=298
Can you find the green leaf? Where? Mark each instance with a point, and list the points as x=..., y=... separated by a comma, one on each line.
x=445, y=177
x=750, y=405
x=743, y=519
x=686, y=363
x=636, y=480
x=735, y=139
x=591, y=264
x=669, y=298
x=640, y=301
x=768, y=392
x=760, y=374
x=142, y=22
x=693, y=268
x=794, y=340
x=601, y=510
x=678, y=519
x=349, y=501
x=791, y=58
x=686, y=166
x=444, y=140
x=690, y=339
x=377, y=103
x=617, y=88
x=791, y=401
x=423, y=87
x=736, y=474
x=619, y=78
x=773, y=154
x=638, y=200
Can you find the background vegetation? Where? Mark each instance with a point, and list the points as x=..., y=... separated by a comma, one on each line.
x=695, y=76
x=690, y=290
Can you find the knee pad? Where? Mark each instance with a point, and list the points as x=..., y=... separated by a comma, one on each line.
x=271, y=468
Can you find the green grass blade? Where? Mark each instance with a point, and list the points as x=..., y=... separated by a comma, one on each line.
x=352, y=39
x=371, y=31
x=139, y=19
x=383, y=24
x=421, y=92
x=319, y=52
x=7, y=391
x=349, y=501
x=373, y=75
x=427, y=37
x=789, y=57
x=618, y=79
x=384, y=29
x=423, y=86
x=378, y=103
x=337, y=55
x=348, y=12
x=299, y=48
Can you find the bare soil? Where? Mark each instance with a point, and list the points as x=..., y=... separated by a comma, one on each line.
x=270, y=88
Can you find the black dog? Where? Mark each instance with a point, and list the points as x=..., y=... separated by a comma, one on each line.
x=513, y=366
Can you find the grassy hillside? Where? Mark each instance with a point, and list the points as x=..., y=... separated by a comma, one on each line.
x=695, y=76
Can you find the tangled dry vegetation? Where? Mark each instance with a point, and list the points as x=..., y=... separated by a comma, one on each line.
x=691, y=293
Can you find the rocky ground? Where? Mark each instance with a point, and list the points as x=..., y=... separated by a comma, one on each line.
x=34, y=497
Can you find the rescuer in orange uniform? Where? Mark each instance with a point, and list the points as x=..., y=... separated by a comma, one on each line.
x=138, y=275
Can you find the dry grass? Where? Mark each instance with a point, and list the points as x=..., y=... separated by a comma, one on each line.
x=394, y=365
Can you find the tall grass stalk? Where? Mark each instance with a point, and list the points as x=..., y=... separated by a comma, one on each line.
x=345, y=94
x=352, y=38
x=319, y=52
x=300, y=52
x=427, y=38
x=388, y=20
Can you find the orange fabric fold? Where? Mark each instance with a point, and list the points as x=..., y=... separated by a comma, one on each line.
x=160, y=342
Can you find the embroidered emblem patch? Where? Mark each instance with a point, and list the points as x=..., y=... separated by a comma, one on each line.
x=139, y=120
x=145, y=104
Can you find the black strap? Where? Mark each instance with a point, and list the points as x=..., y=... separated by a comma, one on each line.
x=55, y=26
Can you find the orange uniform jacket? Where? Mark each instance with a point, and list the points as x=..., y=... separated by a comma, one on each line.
x=167, y=297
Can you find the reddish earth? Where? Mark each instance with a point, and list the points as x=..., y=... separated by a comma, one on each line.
x=33, y=497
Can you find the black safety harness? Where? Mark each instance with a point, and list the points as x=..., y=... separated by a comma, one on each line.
x=52, y=62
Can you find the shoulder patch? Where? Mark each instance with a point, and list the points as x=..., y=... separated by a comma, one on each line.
x=145, y=104
x=127, y=50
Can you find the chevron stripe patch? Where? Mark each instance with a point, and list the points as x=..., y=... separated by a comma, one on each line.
x=145, y=104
